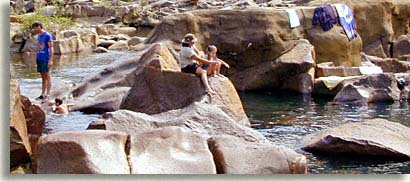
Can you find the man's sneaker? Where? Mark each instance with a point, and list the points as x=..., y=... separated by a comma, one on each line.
x=41, y=97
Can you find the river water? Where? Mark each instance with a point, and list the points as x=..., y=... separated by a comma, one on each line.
x=284, y=118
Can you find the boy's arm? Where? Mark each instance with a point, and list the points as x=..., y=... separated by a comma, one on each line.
x=51, y=46
x=202, y=60
x=223, y=62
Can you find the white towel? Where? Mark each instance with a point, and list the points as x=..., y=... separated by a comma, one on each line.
x=368, y=70
x=293, y=18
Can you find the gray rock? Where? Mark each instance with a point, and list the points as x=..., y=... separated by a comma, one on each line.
x=135, y=41
x=205, y=119
x=170, y=150
x=120, y=45
x=31, y=45
x=401, y=46
x=69, y=45
x=106, y=43
x=83, y=152
x=50, y=10
x=130, y=31
x=106, y=29
x=20, y=150
x=377, y=137
x=235, y=156
x=372, y=88
x=100, y=50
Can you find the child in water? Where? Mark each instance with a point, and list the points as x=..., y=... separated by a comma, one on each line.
x=213, y=69
x=58, y=107
x=401, y=84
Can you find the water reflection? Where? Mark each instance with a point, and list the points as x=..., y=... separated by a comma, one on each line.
x=285, y=118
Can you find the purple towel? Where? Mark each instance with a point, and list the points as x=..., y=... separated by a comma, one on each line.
x=325, y=16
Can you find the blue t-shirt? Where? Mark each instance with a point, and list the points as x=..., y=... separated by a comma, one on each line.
x=43, y=50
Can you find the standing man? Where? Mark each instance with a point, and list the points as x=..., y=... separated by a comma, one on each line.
x=44, y=57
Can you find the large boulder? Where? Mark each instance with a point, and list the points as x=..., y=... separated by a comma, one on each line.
x=401, y=46
x=159, y=91
x=108, y=99
x=401, y=17
x=373, y=21
x=130, y=31
x=205, y=119
x=120, y=45
x=83, y=152
x=135, y=41
x=88, y=36
x=105, y=90
x=106, y=29
x=275, y=74
x=372, y=88
x=253, y=55
x=35, y=116
x=377, y=137
x=242, y=48
x=69, y=45
x=170, y=150
x=20, y=149
x=30, y=45
x=332, y=45
x=235, y=156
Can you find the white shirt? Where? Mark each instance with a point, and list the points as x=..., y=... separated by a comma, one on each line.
x=185, y=56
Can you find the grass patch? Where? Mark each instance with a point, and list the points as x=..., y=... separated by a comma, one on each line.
x=50, y=23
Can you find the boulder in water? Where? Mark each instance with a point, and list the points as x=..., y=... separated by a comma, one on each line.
x=235, y=156
x=376, y=137
x=371, y=88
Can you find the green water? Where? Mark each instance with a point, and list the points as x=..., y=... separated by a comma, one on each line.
x=285, y=118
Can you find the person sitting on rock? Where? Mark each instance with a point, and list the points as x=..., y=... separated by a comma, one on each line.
x=188, y=54
x=401, y=83
x=213, y=69
x=58, y=107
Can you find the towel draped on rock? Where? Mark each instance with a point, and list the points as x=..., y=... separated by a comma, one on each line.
x=346, y=20
x=325, y=16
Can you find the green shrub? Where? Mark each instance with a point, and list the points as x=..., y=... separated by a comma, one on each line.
x=50, y=23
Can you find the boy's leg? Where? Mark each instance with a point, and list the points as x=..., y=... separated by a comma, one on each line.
x=218, y=68
x=44, y=83
x=48, y=77
x=203, y=74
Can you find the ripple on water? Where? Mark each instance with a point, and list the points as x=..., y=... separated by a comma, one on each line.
x=285, y=119
x=74, y=121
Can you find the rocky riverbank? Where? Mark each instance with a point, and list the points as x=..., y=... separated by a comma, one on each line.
x=158, y=120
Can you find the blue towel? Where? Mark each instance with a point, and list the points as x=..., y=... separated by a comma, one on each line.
x=346, y=20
